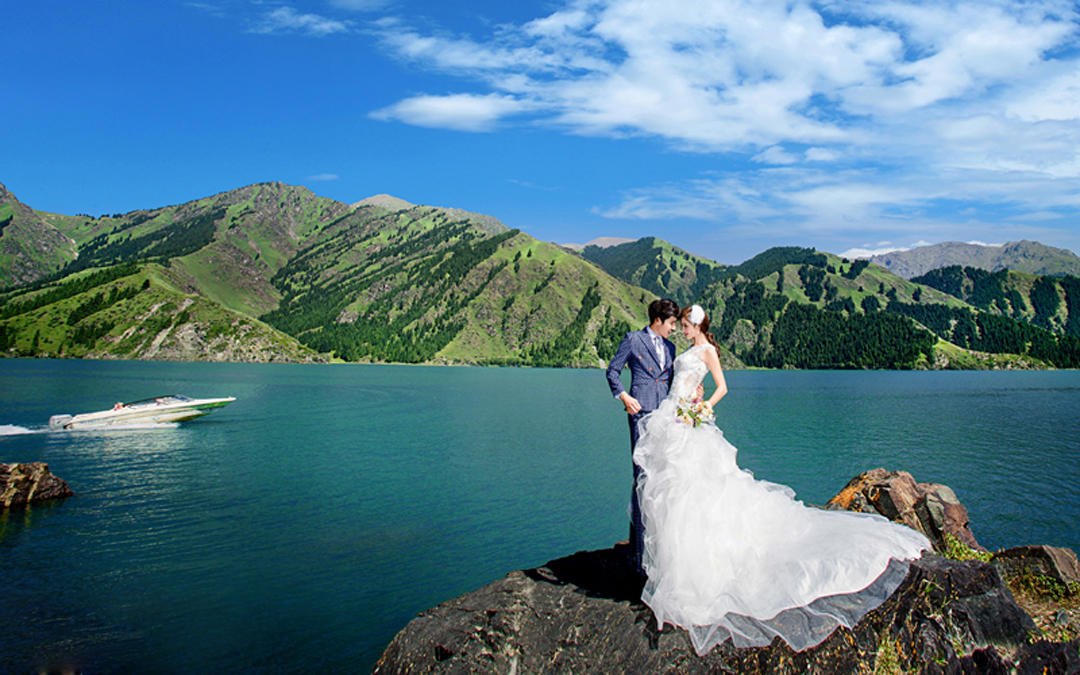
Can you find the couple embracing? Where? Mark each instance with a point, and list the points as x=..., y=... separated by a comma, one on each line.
x=721, y=554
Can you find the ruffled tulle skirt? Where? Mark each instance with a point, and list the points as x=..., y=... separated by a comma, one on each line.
x=728, y=556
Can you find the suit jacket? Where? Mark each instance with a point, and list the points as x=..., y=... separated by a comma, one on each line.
x=649, y=383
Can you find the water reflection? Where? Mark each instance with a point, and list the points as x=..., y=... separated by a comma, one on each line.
x=146, y=440
x=15, y=519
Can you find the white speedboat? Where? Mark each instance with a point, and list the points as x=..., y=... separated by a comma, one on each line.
x=158, y=410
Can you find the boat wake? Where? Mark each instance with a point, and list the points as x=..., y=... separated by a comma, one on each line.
x=136, y=426
x=15, y=430
x=12, y=430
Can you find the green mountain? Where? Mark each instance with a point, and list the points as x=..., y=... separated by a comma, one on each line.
x=791, y=307
x=1021, y=256
x=134, y=311
x=291, y=272
x=31, y=247
x=657, y=266
x=273, y=272
x=1052, y=303
x=418, y=285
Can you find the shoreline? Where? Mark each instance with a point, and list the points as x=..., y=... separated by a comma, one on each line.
x=338, y=362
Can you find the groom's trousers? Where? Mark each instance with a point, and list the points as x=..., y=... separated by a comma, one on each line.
x=637, y=528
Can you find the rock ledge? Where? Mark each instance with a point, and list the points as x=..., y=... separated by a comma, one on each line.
x=583, y=613
x=29, y=482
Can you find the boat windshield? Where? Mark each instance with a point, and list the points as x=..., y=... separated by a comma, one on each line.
x=159, y=400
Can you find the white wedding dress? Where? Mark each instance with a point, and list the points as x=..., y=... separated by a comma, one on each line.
x=730, y=556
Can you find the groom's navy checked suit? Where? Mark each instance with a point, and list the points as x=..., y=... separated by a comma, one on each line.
x=649, y=384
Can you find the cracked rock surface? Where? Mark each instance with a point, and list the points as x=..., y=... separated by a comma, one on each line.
x=581, y=613
x=29, y=482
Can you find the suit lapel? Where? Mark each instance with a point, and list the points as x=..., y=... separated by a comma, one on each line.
x=646, y=340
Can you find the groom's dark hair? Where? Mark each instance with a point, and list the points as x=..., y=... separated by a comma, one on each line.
x=662, y=309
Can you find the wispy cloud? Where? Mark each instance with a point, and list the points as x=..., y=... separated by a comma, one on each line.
x=208, y=8
x=323, y=177
x=463, y=112
x=859, y=114
x=288, y=20
x=531, y=185
x=862, y=252
x=727, y=75
x=361, y=5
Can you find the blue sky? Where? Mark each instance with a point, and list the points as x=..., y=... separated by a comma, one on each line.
x=724, y=127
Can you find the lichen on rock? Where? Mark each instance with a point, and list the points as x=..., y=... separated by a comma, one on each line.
x=25, y=483
x=930, y=508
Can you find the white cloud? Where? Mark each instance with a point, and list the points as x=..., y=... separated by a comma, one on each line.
x=209, y=8
x=863, y=117
x=324, y=177
x=863, y=253
x=361, y=5
x=775, y=155
x=793, y=199
x=1057, y=98
x=531, y=185
x=463, y=112
x=821, y=155
x=1037, y=216
x=288, y=20
x=747, y=75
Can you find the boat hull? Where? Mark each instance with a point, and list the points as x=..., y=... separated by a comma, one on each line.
x=163, y=410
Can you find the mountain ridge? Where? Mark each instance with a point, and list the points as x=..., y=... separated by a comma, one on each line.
x=1021, y=256
x=30, y=246
x=384, y=280
x=361, y=282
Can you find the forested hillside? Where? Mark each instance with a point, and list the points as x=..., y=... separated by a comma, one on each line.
x=361, y=282
x=132, y=311
x=802, y=308
x=416, y=286
x=657, y=266
x=1052, y=303
x=274, y=272
x=31, y=248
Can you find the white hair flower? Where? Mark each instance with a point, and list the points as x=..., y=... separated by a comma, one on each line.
x=697, y=314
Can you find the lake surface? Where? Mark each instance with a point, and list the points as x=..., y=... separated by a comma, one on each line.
x=299, y=528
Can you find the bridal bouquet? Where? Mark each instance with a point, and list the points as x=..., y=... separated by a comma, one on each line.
x=694, y=411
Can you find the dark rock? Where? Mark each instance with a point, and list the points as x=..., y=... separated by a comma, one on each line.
x=29, y=482
x=1048, y=657
x=582, y=614
x=985, y=662
x=930, y=508
x=1059, y=564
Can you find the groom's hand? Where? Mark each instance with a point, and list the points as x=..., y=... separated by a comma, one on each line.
x=630, y=403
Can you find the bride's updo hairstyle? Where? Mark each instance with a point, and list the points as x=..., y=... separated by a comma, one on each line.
x=703, y=324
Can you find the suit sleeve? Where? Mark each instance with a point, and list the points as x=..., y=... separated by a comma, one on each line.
x=616, y=365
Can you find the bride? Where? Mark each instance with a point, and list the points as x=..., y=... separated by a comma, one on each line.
x=728, y=556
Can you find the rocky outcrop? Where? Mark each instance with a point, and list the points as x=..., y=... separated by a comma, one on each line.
x=582, y=614
x=1057, y=564
x=930, y=508
x=22, y=484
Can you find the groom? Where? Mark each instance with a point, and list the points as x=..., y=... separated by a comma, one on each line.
x=650, y=355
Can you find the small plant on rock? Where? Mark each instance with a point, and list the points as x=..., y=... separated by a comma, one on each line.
x=958, y=550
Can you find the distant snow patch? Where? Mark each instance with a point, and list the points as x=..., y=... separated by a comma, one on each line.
x=602, y=242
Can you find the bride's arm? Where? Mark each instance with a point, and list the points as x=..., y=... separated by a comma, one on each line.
x=712, y=360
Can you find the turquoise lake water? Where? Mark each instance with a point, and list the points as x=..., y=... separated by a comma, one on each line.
x=301, y=527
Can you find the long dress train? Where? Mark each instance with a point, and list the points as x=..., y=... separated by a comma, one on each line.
x=730, y=556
